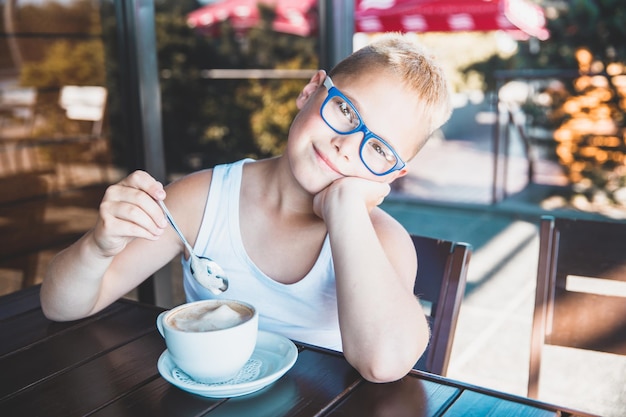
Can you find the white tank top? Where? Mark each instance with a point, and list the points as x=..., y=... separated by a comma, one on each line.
x=305, y=311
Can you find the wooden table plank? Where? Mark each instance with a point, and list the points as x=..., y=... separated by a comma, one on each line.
x=158, y=398
x=92, y=385
x=410, y=397
x=474, y=404
x=19, y=302
x=25, y=329
x=65, y=349
x=305, y=390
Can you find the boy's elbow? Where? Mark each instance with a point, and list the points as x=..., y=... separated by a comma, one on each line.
x=384, y=371
x=50, y=312
x=47, y=303
x=393, y=362
x=59, y=316
x=388, y=367
x=55, y=310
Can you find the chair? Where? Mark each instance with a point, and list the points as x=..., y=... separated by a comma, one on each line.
x=582, y=265
x=440, y=286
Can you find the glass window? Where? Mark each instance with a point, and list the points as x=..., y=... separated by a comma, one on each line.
x=56, y=155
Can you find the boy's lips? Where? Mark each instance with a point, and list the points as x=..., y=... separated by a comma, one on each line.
x=326, y=161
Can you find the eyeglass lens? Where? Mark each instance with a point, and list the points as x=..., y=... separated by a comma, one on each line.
x=342, y=117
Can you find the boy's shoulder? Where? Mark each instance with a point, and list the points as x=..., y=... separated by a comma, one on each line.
x=197, y=179
x=192, y=188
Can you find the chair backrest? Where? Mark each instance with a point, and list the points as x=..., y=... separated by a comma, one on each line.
x=440, y=286
x=581, y=272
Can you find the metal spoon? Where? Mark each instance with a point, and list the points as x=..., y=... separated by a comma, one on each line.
x=205, y=270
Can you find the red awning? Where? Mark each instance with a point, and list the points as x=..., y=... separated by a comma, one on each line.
x=450, y=16
x=297, y=17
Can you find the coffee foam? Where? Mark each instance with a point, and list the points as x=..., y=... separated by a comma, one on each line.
x=207, y=318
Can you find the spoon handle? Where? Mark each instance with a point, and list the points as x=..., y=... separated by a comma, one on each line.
x=175, y=226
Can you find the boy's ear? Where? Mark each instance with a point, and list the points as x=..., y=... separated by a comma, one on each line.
x=314, y=83
x=400, y=173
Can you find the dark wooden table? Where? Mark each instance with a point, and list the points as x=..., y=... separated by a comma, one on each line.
x=106, y=365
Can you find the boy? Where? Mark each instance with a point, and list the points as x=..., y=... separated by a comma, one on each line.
x=300, y=236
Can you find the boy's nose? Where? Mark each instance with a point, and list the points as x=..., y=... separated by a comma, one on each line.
x=347, y=145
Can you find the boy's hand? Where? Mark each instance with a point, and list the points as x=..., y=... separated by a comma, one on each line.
x=347, y=190
x=128, y=211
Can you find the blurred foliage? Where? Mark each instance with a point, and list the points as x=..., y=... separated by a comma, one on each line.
x=66, y=63
x=592, y=131
x=596, y=25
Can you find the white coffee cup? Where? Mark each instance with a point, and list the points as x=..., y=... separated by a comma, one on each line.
x=210, y=340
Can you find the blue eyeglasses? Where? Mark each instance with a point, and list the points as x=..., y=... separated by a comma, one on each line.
x=341, y=116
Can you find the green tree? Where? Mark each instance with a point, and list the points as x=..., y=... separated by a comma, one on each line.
x=596, y=25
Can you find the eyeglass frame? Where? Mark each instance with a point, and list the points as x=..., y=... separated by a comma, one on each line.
x=361, y=127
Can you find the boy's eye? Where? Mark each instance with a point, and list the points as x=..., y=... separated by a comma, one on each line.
x=380, y=149
x=348, y=113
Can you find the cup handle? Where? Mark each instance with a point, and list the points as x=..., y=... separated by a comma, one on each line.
x=159, y=322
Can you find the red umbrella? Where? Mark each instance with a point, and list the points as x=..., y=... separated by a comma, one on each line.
x=450, y=16
x=297, y=17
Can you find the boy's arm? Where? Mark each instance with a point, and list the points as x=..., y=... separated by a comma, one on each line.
x=383, y=328
x=109, y=260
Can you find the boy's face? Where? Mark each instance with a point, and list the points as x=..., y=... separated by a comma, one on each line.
x=319, y=155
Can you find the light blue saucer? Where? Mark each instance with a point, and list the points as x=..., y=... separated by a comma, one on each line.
x=272, y=357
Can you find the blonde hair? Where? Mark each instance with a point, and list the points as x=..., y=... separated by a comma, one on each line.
x=414, y=66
